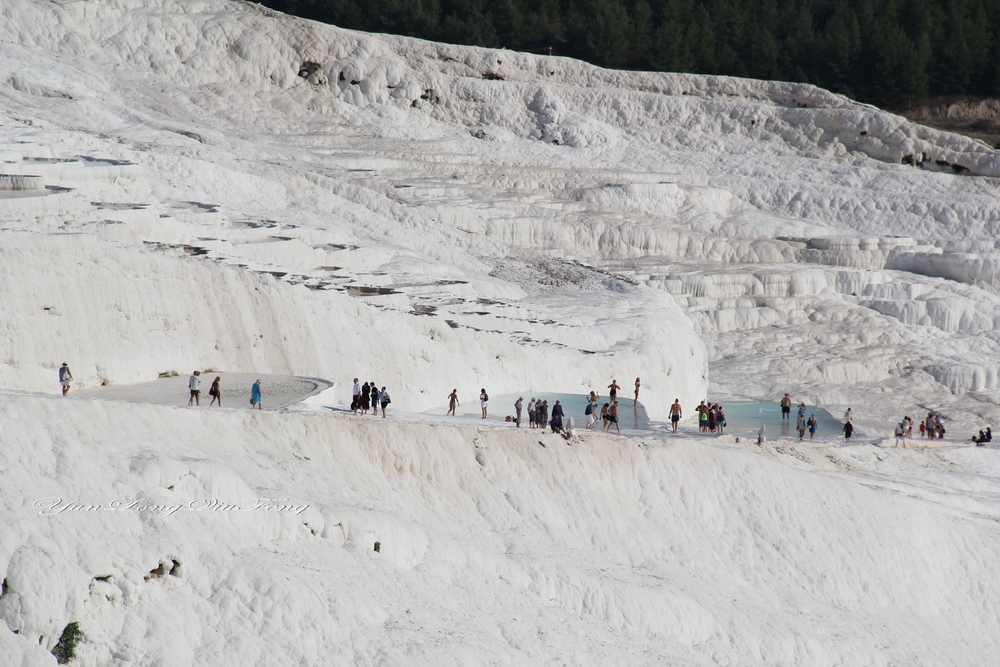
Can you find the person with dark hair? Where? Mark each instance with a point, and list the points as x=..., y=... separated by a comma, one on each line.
x=256, y=398
x=786, y=407
x=366, y=396
x=675, y=413
x=484, y=401
x=848, y=430
x=452, y=402
x=65, y=378
x=613, y=418
x=384, y=400
x=613, y=389
x=557, y=418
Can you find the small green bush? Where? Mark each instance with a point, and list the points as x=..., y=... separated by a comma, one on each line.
x=65, y=649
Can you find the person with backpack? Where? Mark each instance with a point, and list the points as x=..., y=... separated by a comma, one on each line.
x=589, y=412
x=484, y=401
x=65, y=378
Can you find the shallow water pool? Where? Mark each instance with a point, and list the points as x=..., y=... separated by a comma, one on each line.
x=745, y=419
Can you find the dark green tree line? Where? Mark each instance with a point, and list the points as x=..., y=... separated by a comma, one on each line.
x=877, y=51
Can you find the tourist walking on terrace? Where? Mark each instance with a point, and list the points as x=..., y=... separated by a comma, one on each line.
x=613, y=418
x=543, y=413
x=452, y=402
x=800, y=424
x=675, y=413
x=636, y=392
x=812, y=426
x=356, y=397
x=720, y=418
x=194, y=385
x=532, y=412
x=256, y=398
x=484, y=400
x=590, y=413
x=374, y=397
x=605, y=418
x=65, y=378
x=848, y=430
x=215, y=392
x=384, y=400
x=849, y=415
x=518, y=405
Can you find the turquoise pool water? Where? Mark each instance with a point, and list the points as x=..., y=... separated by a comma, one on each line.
x=745, y=419
x=742, y=418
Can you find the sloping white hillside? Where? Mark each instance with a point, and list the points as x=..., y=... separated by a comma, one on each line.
x=207, y=184
x=497, y=546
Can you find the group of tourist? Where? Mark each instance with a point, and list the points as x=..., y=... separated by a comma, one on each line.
x=811, y=424
x=368, y=396
x=215, y=391
x=711, y=418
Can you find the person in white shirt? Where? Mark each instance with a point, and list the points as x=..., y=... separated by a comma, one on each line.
x=194, y=384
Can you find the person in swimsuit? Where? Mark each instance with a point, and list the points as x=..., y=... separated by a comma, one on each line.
x=786, y=407
x=605, y=418
x=613, y=389
x=812, y=426
x=675, y=413
x=452, y=402
x=613, y=417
